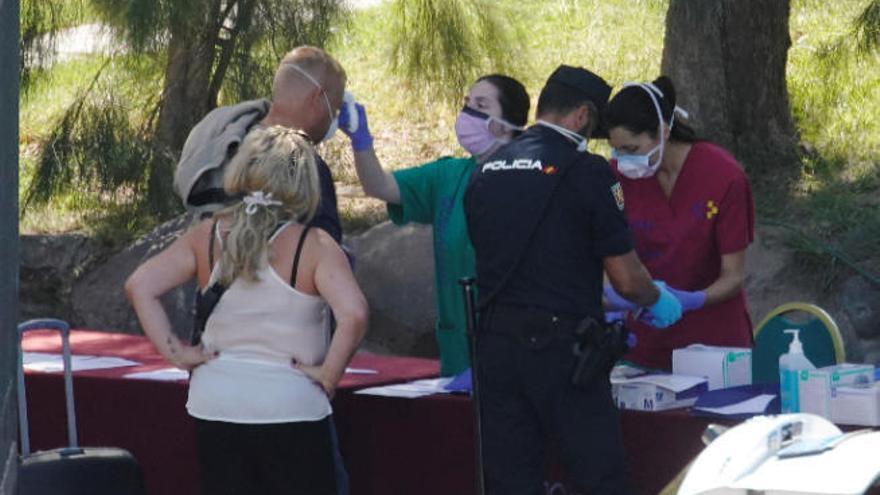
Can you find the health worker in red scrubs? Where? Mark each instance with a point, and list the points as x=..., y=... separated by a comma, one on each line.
x=689, y=208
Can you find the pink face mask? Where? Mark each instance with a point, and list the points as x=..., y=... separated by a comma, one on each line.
x=472, y=130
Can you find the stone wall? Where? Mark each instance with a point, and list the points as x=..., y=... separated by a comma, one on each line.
x=73, y=277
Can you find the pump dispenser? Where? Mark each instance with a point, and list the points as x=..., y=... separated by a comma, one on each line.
x=790, y=366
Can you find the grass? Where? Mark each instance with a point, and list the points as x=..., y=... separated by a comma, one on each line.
x=834, y=94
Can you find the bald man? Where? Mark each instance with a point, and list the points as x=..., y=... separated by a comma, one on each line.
x=306, y=95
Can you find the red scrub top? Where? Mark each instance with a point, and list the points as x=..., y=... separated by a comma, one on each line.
x=680, y=240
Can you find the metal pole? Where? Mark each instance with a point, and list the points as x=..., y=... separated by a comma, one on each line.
x=9, y=64
x=467, y=285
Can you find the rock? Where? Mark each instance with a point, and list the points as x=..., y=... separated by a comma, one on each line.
x=99, y=300
x=395, y=269
x=859, y=319
x=48, y=266
x=767, y=261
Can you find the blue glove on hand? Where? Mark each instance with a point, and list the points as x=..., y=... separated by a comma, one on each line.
x=664, y=312
x=361, y=139
x=690, y=301
x=616, y=302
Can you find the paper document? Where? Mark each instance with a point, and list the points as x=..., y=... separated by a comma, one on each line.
x=49, y=363
x=361, y=371
x=162, y=375
x=755, y=405
x=410, y=390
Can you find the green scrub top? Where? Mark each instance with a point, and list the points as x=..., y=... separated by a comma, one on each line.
x=433, y=194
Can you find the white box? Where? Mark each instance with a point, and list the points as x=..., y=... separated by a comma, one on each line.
x=817, y=388
x=656, y=392
x=856, y=405
x=722, y=366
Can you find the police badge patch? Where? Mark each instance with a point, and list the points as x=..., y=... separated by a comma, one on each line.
x=617, y=192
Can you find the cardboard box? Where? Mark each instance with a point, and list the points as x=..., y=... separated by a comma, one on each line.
x=657, y=392
x=722, y=366
x=856, y=405
x=817, y=388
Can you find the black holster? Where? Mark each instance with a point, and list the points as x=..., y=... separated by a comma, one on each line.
x=597, y=347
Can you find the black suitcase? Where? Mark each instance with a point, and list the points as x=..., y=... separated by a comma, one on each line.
x=71, y=470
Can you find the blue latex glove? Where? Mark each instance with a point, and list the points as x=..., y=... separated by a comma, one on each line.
x=664, y=312
x=690, y=301
x=616, y=302
x=361, y=139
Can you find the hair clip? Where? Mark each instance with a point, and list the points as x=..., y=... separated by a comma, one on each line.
x=255, y=199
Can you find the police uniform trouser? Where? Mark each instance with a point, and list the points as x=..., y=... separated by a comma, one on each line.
x=525, y=362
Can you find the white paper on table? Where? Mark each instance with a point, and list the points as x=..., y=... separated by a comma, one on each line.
x=410, y=390
x=755, y=405
x=361, y=371
x=48, y=363
x=676, y=383
x=162, y=375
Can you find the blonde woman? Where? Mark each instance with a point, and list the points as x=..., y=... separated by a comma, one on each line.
x=266, y=368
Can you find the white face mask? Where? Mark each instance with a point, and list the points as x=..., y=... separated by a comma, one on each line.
x=571, y=135
x=636, y=166
x=334, y=123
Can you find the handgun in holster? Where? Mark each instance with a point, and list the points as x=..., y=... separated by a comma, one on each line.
x=597, y=347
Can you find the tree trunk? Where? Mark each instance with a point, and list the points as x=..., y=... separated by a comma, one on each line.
x=727, y=59
x=186, y=98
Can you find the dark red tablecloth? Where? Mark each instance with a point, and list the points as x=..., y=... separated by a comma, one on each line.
x=392, y=446
x=148, y=418
x=425, y=446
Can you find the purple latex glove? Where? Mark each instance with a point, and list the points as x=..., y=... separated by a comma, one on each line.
x=616, y=302
x=690, y=301
x=361, y=139
x=612, y=316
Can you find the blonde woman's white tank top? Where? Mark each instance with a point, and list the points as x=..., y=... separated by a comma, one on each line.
x=259, y=328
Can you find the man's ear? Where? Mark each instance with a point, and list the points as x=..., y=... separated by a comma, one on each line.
x=583, y=116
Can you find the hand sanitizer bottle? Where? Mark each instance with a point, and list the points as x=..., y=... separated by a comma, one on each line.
x=791, y=364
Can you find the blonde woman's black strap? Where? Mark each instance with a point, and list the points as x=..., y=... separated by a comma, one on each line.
x=299, y=248
x=211, y=245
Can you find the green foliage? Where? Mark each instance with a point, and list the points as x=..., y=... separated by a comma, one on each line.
x=276, y=27
x=145, y=24
x=39, y=21
x=95, y=150
x=866, y=28
x=441, y=46
x=834, y=92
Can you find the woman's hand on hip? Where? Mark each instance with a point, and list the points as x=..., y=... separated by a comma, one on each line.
x=317, y=375
x=187, y=357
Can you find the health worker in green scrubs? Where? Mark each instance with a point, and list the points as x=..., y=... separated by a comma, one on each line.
x=495, y=111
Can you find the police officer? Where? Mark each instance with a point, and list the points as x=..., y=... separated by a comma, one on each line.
x=546, y=217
